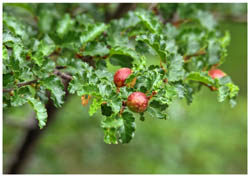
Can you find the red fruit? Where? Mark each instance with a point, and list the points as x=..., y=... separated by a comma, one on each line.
x=216, y=73
x=120, y=77
x=137, y=102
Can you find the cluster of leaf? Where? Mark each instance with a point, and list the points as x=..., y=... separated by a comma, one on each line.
x=187, y=48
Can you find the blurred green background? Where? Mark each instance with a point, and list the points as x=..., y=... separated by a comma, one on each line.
x=204, y=137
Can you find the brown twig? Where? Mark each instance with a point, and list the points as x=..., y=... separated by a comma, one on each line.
x=212, y=88
x=61, y=67
x=21, y=85
x=179, y=22
x=152, y=94
x=162, y=67
x=62, y=75
x=200, y=52
x=56, y=72
x=124, y=104
x=87, y=59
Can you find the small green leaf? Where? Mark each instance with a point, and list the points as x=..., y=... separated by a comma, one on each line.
x=95, y=105
x=41, y=112
x=8, y=37
x=95, y=49
x=54, y=84
x=206, y=19
x=110, y=135
x=156, y=109
x=200, y=77
x=124, y=51
x=150, y=21
x=15, y=26
x=17, y=53
x=157, y=42
x=20, y=96
x=113, y=121
x=127, y=129
x=5, y=53
x=64, y=25
x=156, y=114
x=92, y=31
x=213, y=52
x=115, y=103
x=175, y=69
x=106, y=110
x=229, y=91
x=121, y=60
x=45, y=21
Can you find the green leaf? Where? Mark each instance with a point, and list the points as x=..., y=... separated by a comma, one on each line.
x=106, y=110
x=15, y=26
x=224, y=42
x=127, y=129
x=149, y=20
x=229, y=91
x=64, y=25
x=223, y=93
x=25, y=6
x=175, y=68
x=206, y=19
x=17, y=54
x=55, y=86
x=45, y=21
x=105, y=89
x=92, y=31
x=5, y=53
x=20, y=96
x=213, y=52
x=84, y=19
x=118, y=50
x=200, y=77
x=43, y=71
x=42, y=48
x=95, y=105
x=113, y=121
x=154, y=112
x=95, y=49
x=8, y=37
x=8, y=79
x=170, y=31
x=158, y=43
x=46, y=46
x=110, y=135
x=115, y=103
x=157, y=109
x=121, y=60
x=41, y=113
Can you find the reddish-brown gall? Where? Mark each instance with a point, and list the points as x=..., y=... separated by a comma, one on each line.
x=137, y=102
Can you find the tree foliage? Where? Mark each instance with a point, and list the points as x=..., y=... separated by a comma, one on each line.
x=185, y=38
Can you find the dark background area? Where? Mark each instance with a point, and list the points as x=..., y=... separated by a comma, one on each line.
x=204, y=137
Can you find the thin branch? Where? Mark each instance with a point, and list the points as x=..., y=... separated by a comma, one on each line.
x=87, y=59
x=56, y=72
x=21, y=85
x=200, y=52
x=61, y=67
x=62, y=75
